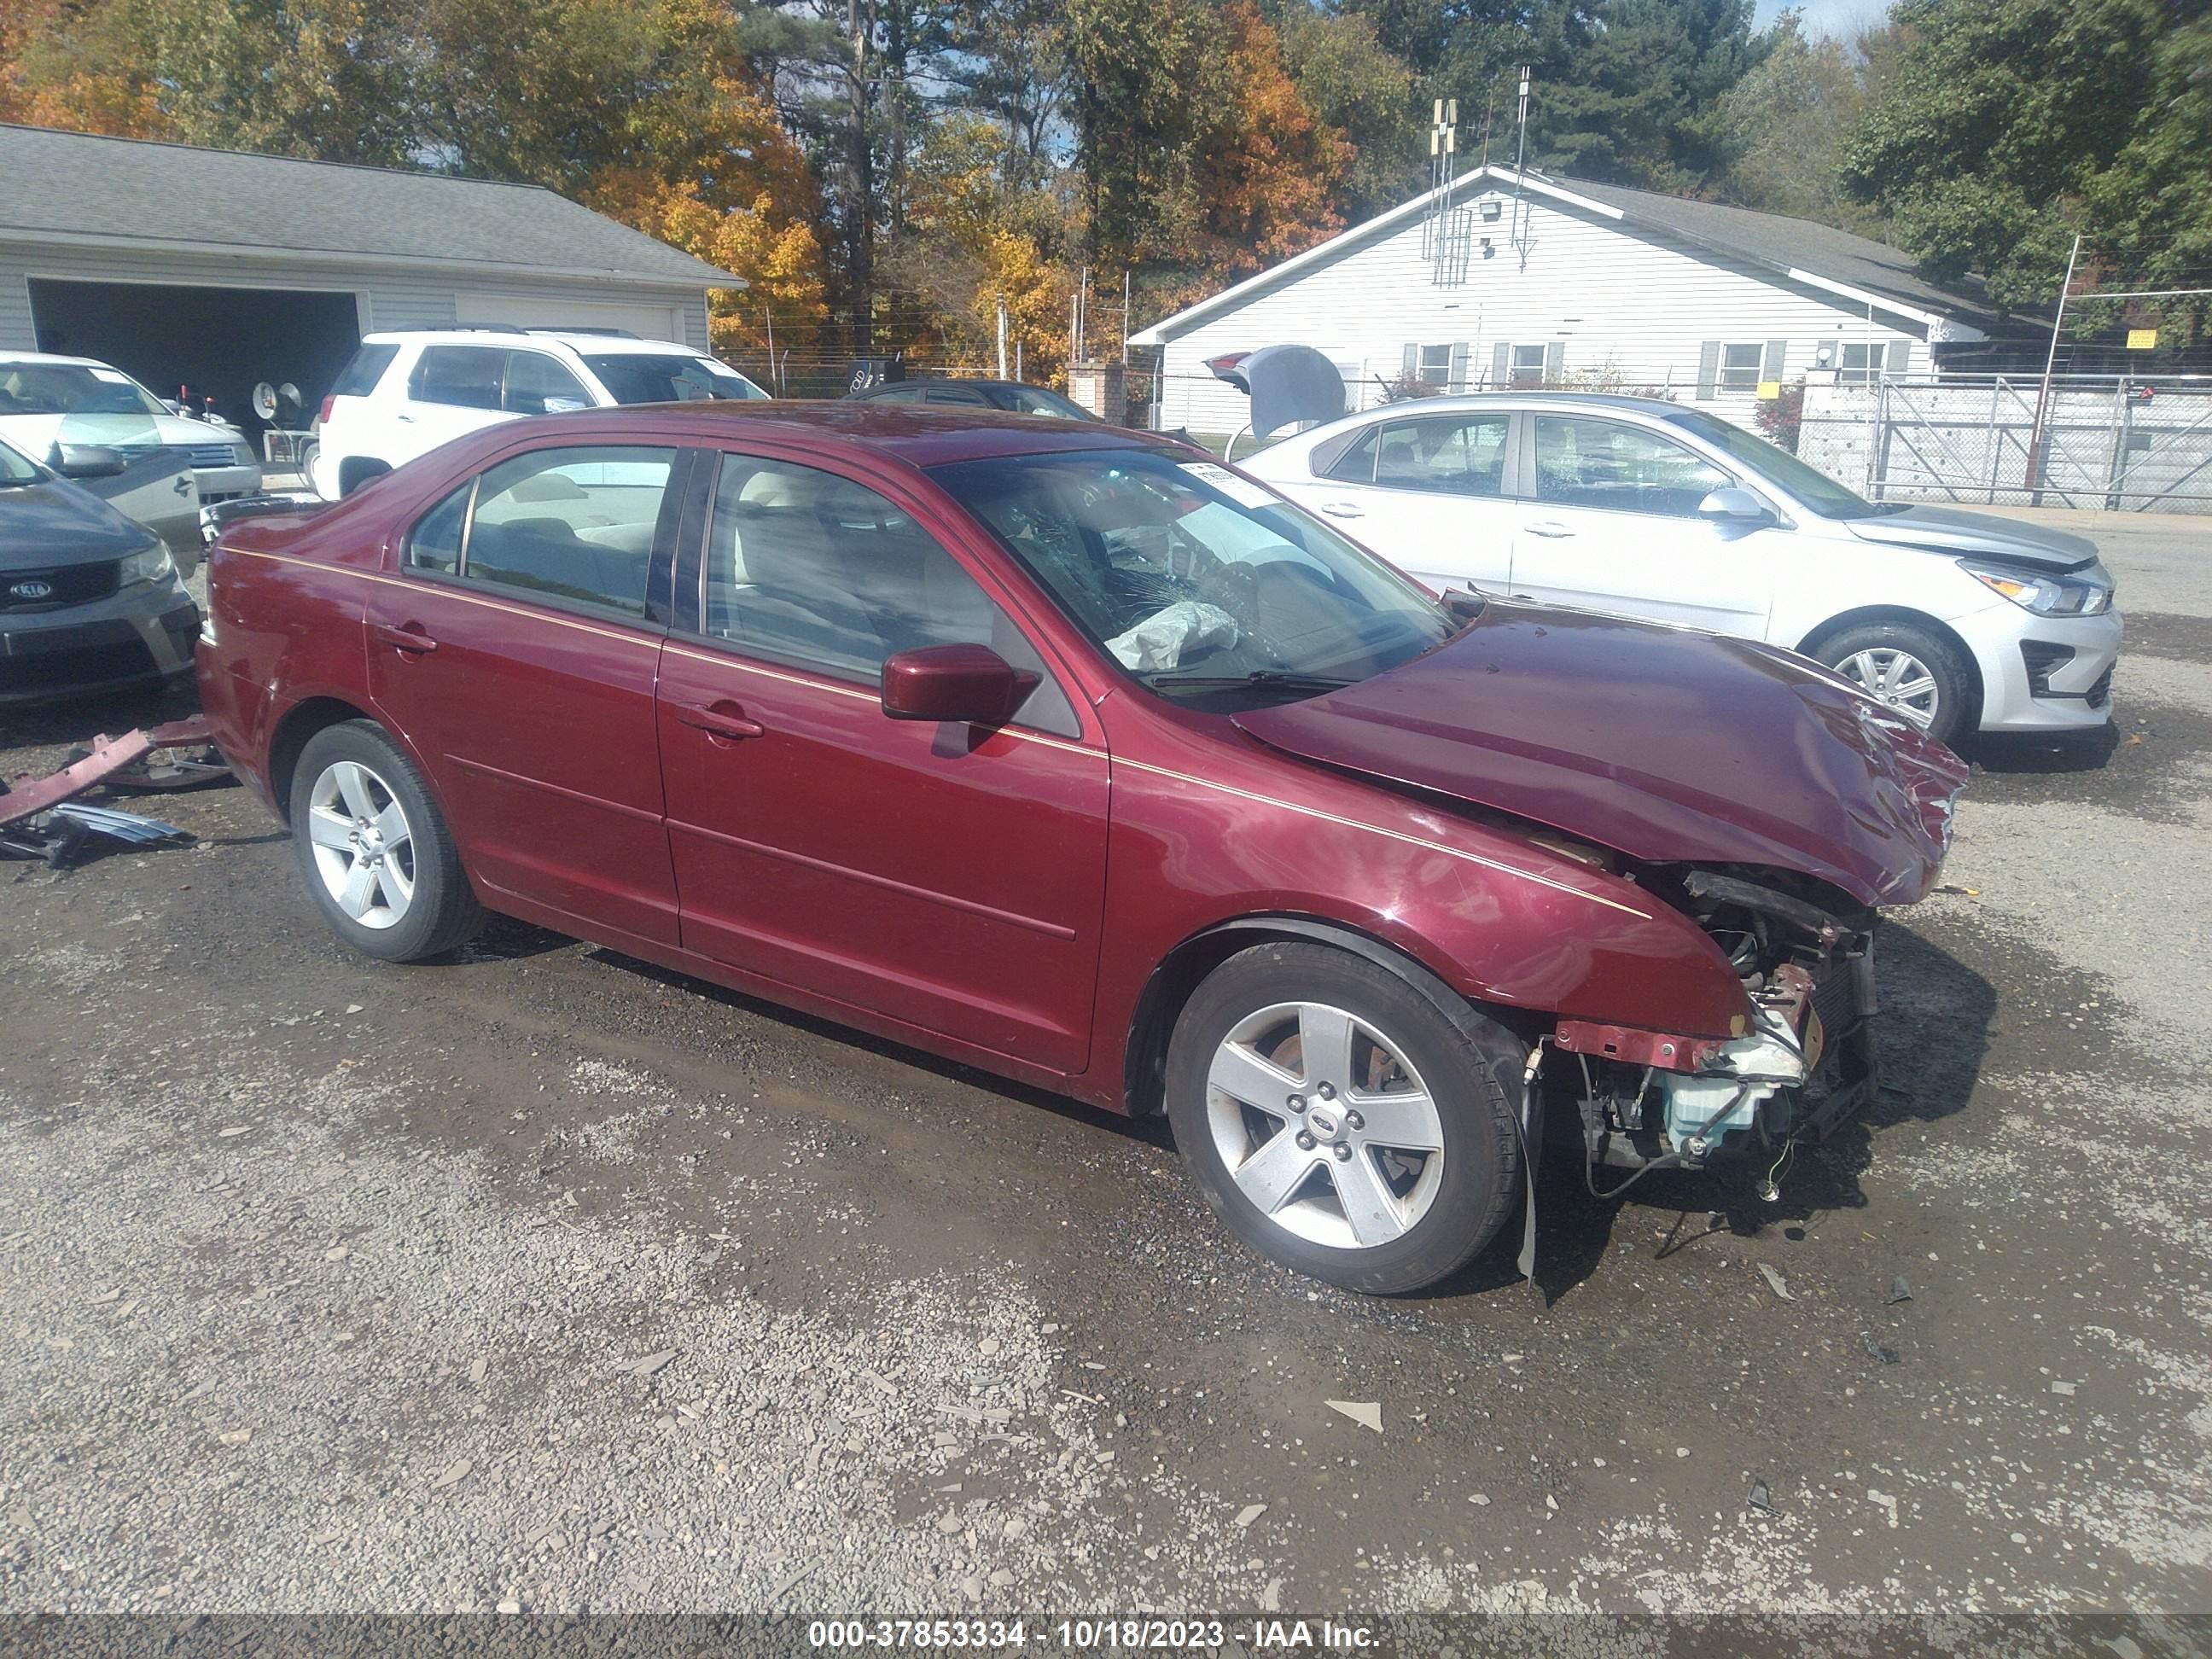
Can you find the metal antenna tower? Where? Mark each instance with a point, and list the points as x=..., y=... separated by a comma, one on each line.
x=1437, y=237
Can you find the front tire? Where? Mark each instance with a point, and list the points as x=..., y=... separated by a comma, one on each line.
x=374, y=850
x=1915, y=671
x=1340, y=1121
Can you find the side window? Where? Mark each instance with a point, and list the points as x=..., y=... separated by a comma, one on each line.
x=954, y=394
x=808, y=568
x=466, y=376
x=575, y=524
x=1355, y=464
x=899, y=394
x=1457, y=454
x=1624, y=469
x=539, y=384
x=434, y=543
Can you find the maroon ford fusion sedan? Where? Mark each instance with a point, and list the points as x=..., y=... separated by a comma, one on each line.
x=1070, y=754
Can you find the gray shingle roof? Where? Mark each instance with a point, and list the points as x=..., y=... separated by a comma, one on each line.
x=1785, y=243
x=78, y=186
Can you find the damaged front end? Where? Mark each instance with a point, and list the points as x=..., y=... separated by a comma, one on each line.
x=1803, y=1063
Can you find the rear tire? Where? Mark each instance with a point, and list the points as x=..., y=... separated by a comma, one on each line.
x=1916, y=670
x=374, y=850
x=1385, y=1162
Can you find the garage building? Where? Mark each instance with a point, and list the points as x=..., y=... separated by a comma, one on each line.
x=215, y=270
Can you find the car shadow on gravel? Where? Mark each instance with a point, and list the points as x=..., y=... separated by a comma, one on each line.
x=2007, y=753
x=2146, y=767
x=1930, y=1040
x=64, y=725
x=1151, y=1131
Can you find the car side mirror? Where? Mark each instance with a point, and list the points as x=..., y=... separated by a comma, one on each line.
x=1734, y=508
x=967, y=682
x=87, y=461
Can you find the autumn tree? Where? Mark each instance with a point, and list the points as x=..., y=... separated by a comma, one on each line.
x=1357, y=87
x=320, y=78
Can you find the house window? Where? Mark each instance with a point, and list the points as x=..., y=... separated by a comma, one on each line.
x=1861, y=363
x=1434, y=365
x=1740, y=367
x=1528, y=367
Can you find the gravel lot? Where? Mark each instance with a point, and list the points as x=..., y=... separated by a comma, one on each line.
x=543, y=1279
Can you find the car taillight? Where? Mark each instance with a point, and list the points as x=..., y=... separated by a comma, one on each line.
x=324, y=415
x=1227, y=360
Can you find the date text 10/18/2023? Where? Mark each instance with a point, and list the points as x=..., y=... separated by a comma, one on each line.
x=1092, y=1635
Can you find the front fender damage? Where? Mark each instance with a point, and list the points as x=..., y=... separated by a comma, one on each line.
x=1641, y=1099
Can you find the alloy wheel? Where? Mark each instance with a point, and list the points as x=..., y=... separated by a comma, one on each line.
x=363, y=845
x=1898, y=679
x=1325, y=1126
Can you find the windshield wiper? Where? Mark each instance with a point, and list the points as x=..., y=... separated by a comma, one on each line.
x=1163, y=679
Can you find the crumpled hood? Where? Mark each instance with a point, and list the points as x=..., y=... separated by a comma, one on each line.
x=1982, y=534
x=1663, y=743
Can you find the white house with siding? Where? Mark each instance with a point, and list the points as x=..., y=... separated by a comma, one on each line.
x=1507, y=279
x=217, y=269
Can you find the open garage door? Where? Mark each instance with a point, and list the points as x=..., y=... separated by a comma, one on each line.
x=648, y=322
x=218, y=341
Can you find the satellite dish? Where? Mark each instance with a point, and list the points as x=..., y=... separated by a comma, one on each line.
x=290, y=394
x=264, y=401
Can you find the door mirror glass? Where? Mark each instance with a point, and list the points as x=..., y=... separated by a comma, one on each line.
x=969, y=682
x=87, y=461
x=1731, y=505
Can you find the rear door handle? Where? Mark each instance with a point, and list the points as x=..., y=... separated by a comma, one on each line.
x=725, y=720
x=1551, y=528
x=410, y=637
x=1343, y=509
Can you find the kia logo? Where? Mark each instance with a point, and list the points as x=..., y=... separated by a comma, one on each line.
x=31, y=590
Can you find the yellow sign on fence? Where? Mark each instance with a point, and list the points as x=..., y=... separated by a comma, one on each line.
x=1770, y=389
x=2142, y=339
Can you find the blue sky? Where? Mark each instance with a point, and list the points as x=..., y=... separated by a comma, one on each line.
x=1828, y=16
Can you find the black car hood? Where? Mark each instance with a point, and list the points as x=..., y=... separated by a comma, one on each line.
x=53, y=522
x=1667, y=745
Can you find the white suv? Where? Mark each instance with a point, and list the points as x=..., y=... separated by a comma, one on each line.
x=403, y=395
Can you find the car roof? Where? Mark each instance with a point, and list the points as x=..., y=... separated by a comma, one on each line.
x=919, y=435
x=1616, y=400
x=575, y=340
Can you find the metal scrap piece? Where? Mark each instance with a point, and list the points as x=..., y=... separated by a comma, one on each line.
x=29, y=800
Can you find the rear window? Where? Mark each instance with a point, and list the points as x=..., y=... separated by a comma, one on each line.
x=363, y=370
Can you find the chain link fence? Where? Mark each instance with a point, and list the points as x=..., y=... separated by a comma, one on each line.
x=2113, y=442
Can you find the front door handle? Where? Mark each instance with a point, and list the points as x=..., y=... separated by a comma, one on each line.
x=184, y=483
x=1551, y=529
x=723, y=720
x=410, y=637
x=1343, y=509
